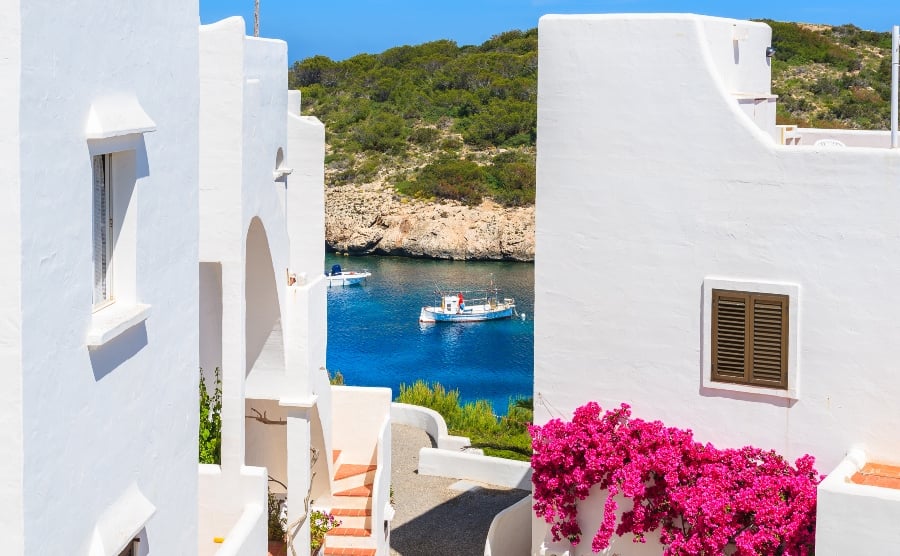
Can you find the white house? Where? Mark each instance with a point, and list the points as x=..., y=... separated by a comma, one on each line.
x=664, y=180
x=98, y=304
x=263, y=316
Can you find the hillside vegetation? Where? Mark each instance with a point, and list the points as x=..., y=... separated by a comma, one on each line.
x=442, y=121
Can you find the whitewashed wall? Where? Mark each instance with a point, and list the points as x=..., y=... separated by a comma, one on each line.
x=651, y=181
x=98, y=424
x=11, y=440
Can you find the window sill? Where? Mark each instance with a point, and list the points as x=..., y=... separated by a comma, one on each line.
x=789, y=394
x=110, y=322
x=121, y=522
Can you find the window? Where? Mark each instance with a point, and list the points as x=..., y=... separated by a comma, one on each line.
x=750, y=333
x=102, y=230
x=132, y=549
x=116, y=307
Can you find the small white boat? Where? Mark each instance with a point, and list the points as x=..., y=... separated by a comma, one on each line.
x=469, y=306
x=338, y=277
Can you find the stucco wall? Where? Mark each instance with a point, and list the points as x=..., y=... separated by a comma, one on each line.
x=651, y=181
x=97, y=421
x=11, y=440
x=853, y=518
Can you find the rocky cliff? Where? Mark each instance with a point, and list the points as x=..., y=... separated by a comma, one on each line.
x=373, y=219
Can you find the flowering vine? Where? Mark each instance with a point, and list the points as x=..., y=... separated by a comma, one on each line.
x=700, y=498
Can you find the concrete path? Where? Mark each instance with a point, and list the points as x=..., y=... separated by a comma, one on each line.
x=437, y=516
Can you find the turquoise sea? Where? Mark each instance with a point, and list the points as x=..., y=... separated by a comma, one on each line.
x=375, y=338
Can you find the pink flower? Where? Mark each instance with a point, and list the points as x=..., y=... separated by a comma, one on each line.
x=698, y=497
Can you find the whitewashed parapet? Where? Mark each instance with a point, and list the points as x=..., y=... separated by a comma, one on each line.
x=431, y=422
x=844, y=509
x=505, y=537
x=475, y=467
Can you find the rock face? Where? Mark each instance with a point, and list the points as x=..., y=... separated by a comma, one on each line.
x=373, y=220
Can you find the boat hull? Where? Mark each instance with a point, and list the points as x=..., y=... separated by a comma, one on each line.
x=469, y=314
x=347, y=279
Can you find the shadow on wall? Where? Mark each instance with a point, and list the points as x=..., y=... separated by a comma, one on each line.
x=458, y=526
x=118, y=350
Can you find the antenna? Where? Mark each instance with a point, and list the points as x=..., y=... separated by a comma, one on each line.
x=256, y=18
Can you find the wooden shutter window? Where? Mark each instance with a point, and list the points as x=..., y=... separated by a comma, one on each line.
x=750, y=338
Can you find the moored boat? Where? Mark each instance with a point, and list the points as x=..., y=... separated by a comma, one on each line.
x=339, y=277
x=469, y=306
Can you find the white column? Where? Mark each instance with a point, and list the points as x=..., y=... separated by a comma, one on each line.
x=234, y=363
x=299, y=475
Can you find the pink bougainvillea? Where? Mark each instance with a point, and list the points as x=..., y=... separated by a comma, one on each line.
x=700, y=498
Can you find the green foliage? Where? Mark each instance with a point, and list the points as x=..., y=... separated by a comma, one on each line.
x=799, y=45
x=511, y=179
x=448, y=178
x=276, y=523
x=391, y=109
x=502, y=437
x=336, y=378
x=831, y=77
x=319, y=524
x=211, y=421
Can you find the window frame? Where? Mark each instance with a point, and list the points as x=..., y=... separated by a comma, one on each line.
x=762, y=290
x=108, y=227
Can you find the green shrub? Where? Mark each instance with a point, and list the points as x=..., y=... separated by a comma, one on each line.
x=211, y=421
x=504, y=437
x=276, y=523
x=448, y=178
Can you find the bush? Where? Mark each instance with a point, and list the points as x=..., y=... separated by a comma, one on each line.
x=319, y=524
x=701, y=499
x=448, y=178
x=211, y=421
x=277, y=521
x=506, y=437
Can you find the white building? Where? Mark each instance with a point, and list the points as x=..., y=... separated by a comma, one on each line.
x=664, y=180
x=163, y=209
x=263, y=315
x=98, y=304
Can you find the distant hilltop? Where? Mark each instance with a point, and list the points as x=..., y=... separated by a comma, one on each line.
x=432, y=131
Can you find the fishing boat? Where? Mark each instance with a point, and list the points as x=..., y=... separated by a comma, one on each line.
x=338, y=277
x=469, y=306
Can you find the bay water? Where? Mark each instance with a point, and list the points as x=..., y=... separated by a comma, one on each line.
x=375, y=337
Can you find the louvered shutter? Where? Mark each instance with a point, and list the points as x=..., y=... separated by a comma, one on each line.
x=729, y=336
x=101, y=225
x=750, y=338
x=769, y=332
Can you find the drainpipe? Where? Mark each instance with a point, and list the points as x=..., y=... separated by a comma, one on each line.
x=895, y=72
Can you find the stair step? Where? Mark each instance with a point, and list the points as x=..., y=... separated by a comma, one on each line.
x=348, y=551
x=354, y=522
x=351, y=512
x=363, y=491
x=335, y=454
x=351, y=469
x=348, y=532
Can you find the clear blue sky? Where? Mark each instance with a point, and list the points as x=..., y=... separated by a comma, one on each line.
x=342, y=28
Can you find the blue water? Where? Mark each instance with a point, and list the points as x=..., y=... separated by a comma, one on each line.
x=375, y=338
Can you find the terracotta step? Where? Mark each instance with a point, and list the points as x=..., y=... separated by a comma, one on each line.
x=348, y=551
x=351, y=512
x=335, y=454
x=351, y=469
x=363, y=491
x=348, y=532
